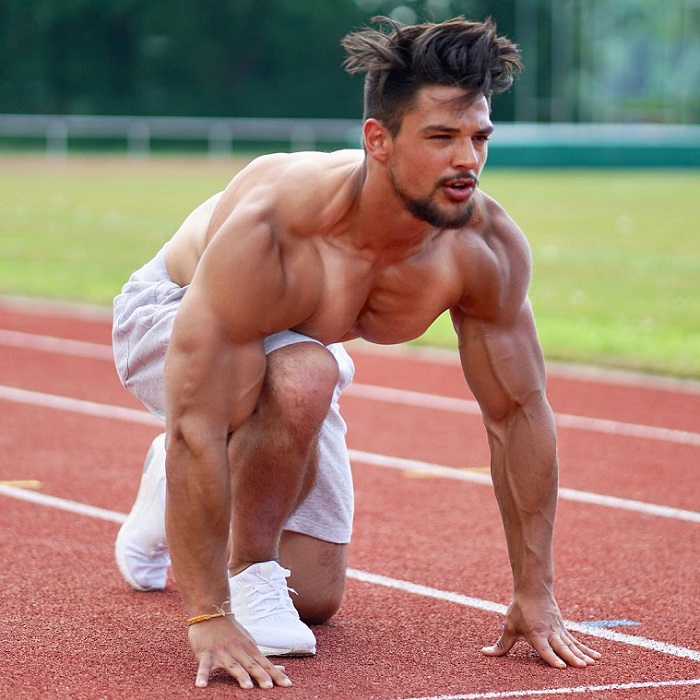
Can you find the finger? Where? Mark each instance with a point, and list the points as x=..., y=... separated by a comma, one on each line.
x=203, y=672
x=277, y=674
x=236, y=671
x=266, y=674
x=548, y=654
x=502, y=646
x=590, y=653
x=553, y=650
x=564, y=650
x=588, y=656
x=572, y=652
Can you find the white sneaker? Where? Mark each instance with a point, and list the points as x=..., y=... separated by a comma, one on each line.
x=260, y=602
x=141, y=549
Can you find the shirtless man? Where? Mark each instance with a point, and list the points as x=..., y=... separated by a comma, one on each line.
x=252, y=298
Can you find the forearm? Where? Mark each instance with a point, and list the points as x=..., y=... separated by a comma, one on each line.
x=211, y=389
x=198, y=521
x=525, y=475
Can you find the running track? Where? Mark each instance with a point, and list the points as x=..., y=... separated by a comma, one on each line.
x=429, y=577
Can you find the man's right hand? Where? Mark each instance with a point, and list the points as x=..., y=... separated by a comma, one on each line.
x=223, y=643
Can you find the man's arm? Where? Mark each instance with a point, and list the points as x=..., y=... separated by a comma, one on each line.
x=214, y=371
x=504, y=368
x=198, y=494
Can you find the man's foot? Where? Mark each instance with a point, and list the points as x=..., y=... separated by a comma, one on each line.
x=141, y=549
x=260, y=602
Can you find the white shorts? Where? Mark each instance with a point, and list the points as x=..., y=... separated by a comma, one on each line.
x=144, y=313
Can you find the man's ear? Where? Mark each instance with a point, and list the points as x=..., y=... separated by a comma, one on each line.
x=377, y=140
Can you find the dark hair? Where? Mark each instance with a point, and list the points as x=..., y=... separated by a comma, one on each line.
x=400, y=61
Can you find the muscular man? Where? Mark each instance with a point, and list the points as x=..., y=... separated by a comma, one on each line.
x=252, y=298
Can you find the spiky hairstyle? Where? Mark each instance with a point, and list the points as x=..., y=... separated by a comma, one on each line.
x=399, y=60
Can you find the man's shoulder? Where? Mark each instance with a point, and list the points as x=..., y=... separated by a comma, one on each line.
x=494, y=229
x=494, y=258
x=289, y=179
x=303, y=193
x=497, y=219
x=303, y=163
x=284, y=189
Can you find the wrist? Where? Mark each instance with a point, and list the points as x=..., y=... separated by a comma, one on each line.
x=210, y=612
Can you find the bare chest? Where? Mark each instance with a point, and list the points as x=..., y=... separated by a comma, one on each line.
x=386, y=304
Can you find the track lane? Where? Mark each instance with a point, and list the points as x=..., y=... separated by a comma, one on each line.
x=450, y=514
x=382, y=645
x=665, y=474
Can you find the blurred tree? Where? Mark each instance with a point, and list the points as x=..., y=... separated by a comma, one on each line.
x=180, y=57
x=584, y=59
x=212, y=57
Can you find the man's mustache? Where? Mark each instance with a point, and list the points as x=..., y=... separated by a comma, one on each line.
x=468, y=175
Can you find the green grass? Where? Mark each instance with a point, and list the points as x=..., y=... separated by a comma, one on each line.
x=616, y=278
x=76, y=229
x=616, y=253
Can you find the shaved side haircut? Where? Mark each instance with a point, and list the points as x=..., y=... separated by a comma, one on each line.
x=399, y=60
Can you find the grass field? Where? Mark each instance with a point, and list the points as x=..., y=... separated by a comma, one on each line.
x=616, y=253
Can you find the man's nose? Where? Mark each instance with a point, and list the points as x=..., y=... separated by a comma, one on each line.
x=466, y=157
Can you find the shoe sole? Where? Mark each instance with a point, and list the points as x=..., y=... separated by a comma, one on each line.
x=140, y=506
x=267, y=651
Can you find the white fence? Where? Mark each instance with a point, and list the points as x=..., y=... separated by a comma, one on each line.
x=139, y=132
x=513, y=143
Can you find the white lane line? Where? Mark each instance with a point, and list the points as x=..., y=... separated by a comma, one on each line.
x=378, y=580
x=375, y=393
x=63, y=403
x=598, y=425
x=488, y=606
x=571, y=690
x=565, y=494
x=61, y=346
x=43, y=499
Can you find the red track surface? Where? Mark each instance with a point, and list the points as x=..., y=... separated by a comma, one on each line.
x=73, y=629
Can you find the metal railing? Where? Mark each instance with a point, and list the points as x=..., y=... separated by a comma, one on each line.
x=513, y=143
x=140, y=132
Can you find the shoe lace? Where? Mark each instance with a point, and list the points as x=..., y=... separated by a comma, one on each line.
x=271, y=597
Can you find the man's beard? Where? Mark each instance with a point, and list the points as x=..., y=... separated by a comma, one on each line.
x=425, y=210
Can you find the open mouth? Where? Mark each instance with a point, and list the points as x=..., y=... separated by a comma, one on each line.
x=461, y=185
x=459, y=188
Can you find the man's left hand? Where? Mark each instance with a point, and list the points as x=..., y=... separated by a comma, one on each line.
x=539, y=622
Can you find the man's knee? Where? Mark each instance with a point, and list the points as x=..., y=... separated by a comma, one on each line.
x=320, y=608
x=300, y=382
x=318, y=575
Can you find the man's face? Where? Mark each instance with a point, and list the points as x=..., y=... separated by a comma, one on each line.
x=438, y=155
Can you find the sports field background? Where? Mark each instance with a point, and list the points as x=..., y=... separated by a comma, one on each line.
x=616, y=252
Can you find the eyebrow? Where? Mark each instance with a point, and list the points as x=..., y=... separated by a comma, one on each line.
x=453, y=129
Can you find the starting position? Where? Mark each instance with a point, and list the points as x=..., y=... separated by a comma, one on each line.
x=232, y=334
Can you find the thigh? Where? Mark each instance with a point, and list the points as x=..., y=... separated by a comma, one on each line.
x=318, y=574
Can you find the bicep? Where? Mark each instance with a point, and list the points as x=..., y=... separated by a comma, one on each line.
x=501, y=359
x=258, y=278
x=216, y=362
x=211, y=381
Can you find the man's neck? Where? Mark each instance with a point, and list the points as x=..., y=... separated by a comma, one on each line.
x=382, y=223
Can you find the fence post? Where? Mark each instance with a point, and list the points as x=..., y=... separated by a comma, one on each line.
x=138, y=139
x=220, y=138
x=302, y=138
x=57, y=138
